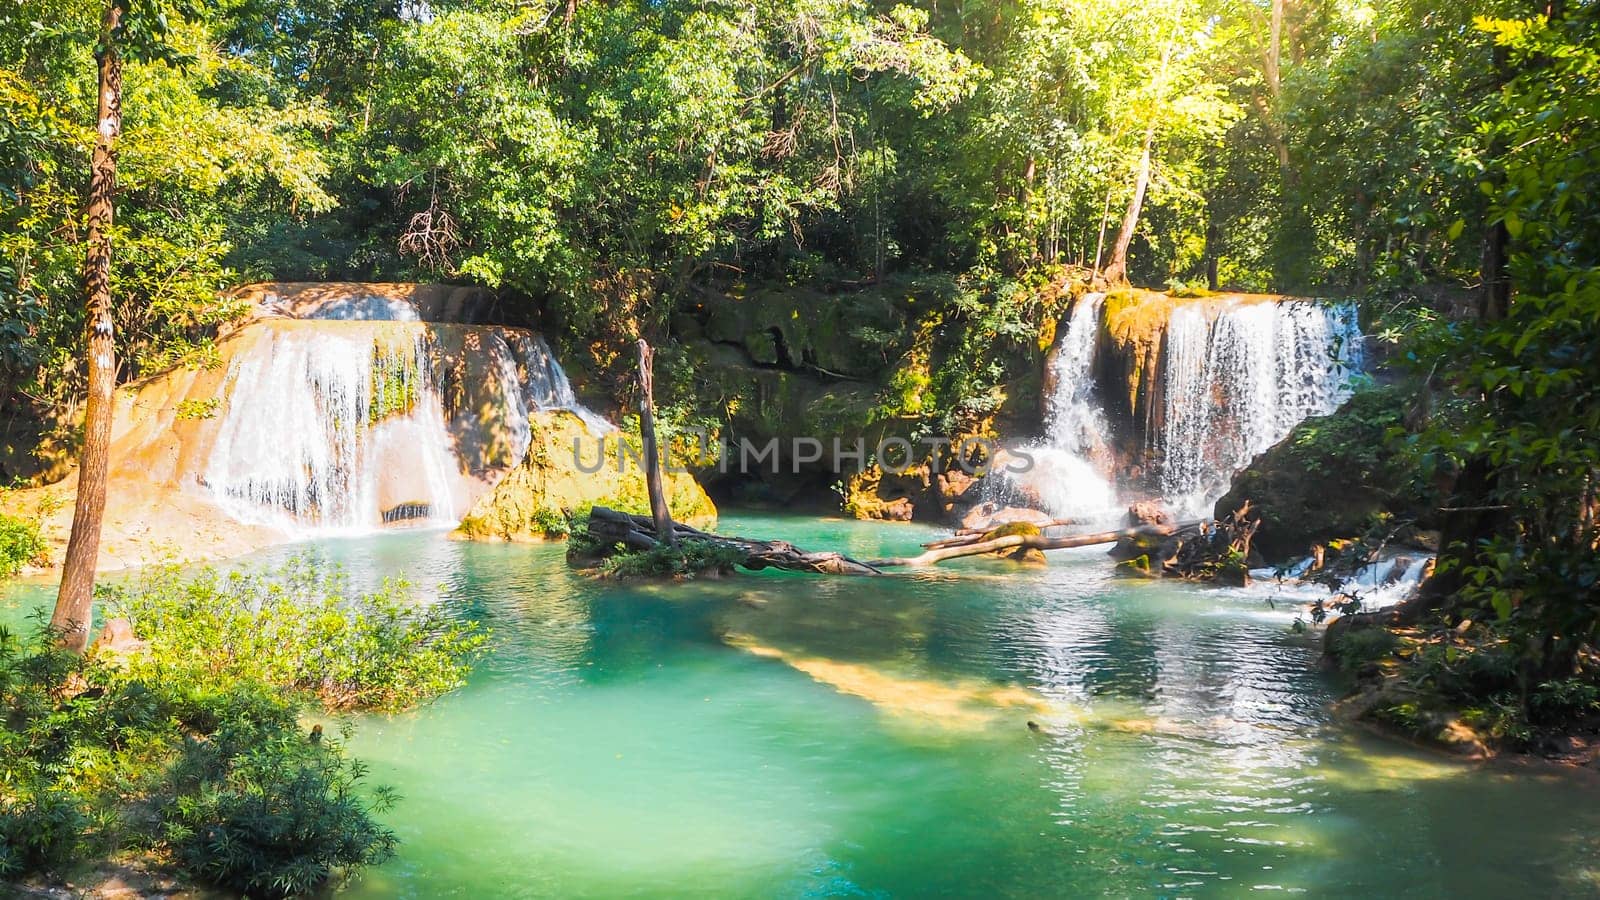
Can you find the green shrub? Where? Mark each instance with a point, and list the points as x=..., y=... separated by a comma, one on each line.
x=20, y=545
x=687, y=560
x=1565, y=699
x=1356, y=648
x=297, y=629
x=266, y=812
x=199, y=409
x=552, y=523
x=188, y=751
x=41, y=830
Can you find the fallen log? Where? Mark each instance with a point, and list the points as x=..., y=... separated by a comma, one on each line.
x=609, y=527
x=1028, y=542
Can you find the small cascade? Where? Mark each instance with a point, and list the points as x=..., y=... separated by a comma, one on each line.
x=1238, y=383
x=1068, y=472
x=334, y=429
x=1077, y=421
x=544, y=383
x=1378, y=585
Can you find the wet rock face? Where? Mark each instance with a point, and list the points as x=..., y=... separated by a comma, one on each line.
x=1148, y=512
x=564, y=470
x=1326, y=480
x=875, y=494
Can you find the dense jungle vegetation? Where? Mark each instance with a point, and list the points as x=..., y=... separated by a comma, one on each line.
x=608, y=164
x=609, y=169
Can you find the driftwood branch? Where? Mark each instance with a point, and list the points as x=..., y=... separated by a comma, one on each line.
x=1028, y=542
x=973, y=535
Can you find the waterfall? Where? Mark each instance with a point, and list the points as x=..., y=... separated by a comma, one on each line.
x=1239, y=383
x=334, y=429
x=1076, y=420
x=545, y=384
x=341, y=426
x=1067, y=475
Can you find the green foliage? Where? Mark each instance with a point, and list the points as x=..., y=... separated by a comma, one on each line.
x=1361, y=646
x=200, y=151
x=1476, y=673
x=553, y=523
x=217, y=779
x=299, y=628
x=260, y=809
x=42, y=830
x=1360, y=437
x=199, y=409
x=1523, y=403
x=689, y=559
x=188, y=749
x=20, y=544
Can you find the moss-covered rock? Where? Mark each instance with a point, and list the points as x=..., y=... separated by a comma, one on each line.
x=531, y=502
x=876, y=494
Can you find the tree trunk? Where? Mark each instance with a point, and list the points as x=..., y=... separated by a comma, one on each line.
x=1272, y=73
x=1213, y=246
x=647, y=435
x=1117, y=268
x=1100, y=238
x=1494, y=294
x=75, y=601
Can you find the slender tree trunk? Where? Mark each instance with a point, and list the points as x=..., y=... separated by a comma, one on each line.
x=659, y=512
x=1274, y=55
x=75, y=602
x=1272, y=73
x=1100, y=239
x=1494, y=294
x=1117, y=267
x=1213, y=248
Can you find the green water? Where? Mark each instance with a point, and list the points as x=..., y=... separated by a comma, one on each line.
x=617, y=743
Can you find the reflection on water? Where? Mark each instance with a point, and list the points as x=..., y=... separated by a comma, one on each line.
x=802, y=736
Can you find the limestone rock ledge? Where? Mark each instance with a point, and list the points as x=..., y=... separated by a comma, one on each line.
x=528, y=504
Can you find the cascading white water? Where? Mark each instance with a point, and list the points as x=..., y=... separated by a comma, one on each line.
x=1379, y=584
x=1238, y=384
x=1067, y=473
x=328, y=429
x=544, y=383
x=1077, y=422
x=340, y=426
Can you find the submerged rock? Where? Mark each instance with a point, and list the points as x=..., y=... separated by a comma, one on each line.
x=989, y=516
